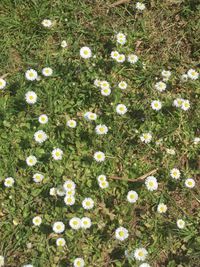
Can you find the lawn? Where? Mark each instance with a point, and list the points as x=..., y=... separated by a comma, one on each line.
x=99, y=133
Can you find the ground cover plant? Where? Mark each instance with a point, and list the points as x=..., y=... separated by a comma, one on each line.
x=99, y=137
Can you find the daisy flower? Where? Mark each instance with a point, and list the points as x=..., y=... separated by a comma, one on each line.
x=40, y=136
x=146, y=138
x=178, y=102
x=101, y=178
x=88, y=203
x=47, y=23
x=75, y=223
x=184, y=77
x=175, y=173
x=104, y=184
x=180, y=223
x=47, y=71
x=31, y=97
x=97, y=83
x=90, y=116
x=9, y=182
x=52, y=191
x=160, y=86
x=60, y=191
x=70, y=193
x=31, y=75
x=122, y=85
x=140, y=254
x=37, y=220
x=85, y=52
x=99, y=156
x=57, y=154
x=71, y=123
x=185, y=105
x=106, y=92
x=2, y=83
x=151, y=183
x=190, y=183
x=121, y=233
x=37, y=177
x=132, y=196
x=101, y=129
x=166, y=74
x=86, y=223
x=58, y=227
x=121, y=109
x=140, y=6
x=31, y=160
x=156, y=105
x=27, y=265
x=192, y=74
x=114, y=55
x=196, y=140
x=43, y=119
x=60, y=242
x=121, y=38
x=2, y=261
x=132, y=58
x=69, y=185
x=63, y=44
x=104, y=85
x=162, y=208
x=144, y=265
x=121, y=58
x=79, y=262
x=69, y=200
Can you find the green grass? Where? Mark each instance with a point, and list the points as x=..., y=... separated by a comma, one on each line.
x=164, y=36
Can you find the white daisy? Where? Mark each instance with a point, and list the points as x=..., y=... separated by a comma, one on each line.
x=2, y=83
x=166, y=74
x=104, y=85
x=160, y=86
x=86, y=223
x=60, y=242
x=190, y=183
x=175, y=173
x=75, y=223
x=121, y=233
x=38, y=177
x=40, y=136
x=144, y=265
x=185, y=105
x=63, y=44
x=70, y=193
x=121, y=58
x=106, y=92
x=88, y=203
x=52, y=191
x=71, y=123
x=28, y=265
x=132, y=58
x=156, y=105
x=69, y=185
x=31, y=97
x=60, y=191
x=184, y=77
x=101, y=129
x=90, y=116
x=58, y=227
x=2, y=261
x=180, y=223
x=69, y=200
x=43, y=119
x=85, y=52
x=79, y=262
x=99, y=156
x=57, y=154
x=31, y=75
x=47, y=71
x=178, y=102
x=146, y=137
x=9, y=182
x=114, y=55
x=31, y=160
x=47, y=23
x=140, y=6
x=121, y=38
x=162, y=208
x=101, y=178
x=122, y=85
x=151, y=183
x=196, y=140
x=140, y=254
x=132, y=196
x=192, y=74
x=104, y=184
x=121, y=109
x=37, y=220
